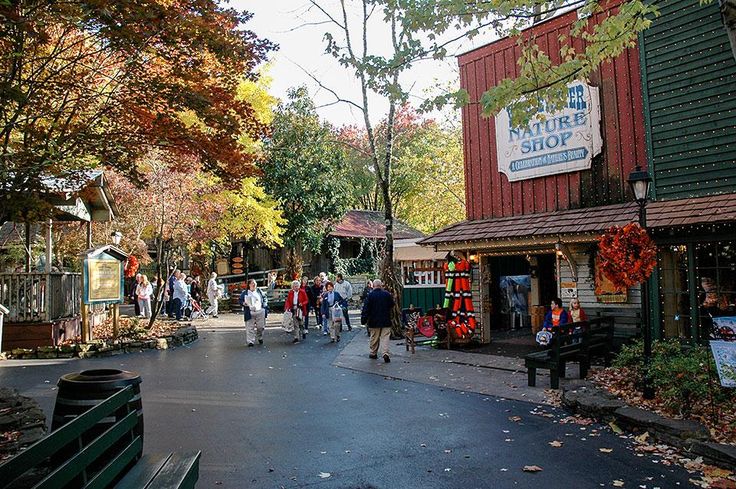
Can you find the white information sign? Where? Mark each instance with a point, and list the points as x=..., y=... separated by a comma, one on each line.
x=565, y=141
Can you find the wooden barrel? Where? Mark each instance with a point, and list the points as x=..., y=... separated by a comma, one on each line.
x=81, y=391
x=235, y=301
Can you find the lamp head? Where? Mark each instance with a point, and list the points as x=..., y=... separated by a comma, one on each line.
x=640, y=181
x=116, y=237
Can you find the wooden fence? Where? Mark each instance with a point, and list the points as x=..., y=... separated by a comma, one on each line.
x=39, y=297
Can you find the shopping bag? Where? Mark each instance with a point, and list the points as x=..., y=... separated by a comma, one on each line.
x=336, y=312
x=287, y=322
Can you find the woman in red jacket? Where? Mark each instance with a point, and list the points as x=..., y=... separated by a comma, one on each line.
x=297, y=303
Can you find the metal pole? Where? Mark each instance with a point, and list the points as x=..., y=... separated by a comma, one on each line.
x=647, y=388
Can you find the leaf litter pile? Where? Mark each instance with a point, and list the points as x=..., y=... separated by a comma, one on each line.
x=719, y=419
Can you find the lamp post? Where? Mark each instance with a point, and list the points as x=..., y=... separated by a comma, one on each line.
x=116, y=236
x=640, y=181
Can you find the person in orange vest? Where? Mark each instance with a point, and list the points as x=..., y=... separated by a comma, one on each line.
x=556, y=316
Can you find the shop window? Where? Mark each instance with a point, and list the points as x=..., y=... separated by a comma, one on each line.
x=674, y=292
x=715, y=270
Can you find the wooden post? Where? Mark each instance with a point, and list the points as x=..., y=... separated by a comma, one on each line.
x=49, y=245
x=28, y=247
x=47, y=268
x=86, y=336
x=115, y=320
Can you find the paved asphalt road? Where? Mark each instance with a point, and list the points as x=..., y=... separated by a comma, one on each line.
x=278, y=415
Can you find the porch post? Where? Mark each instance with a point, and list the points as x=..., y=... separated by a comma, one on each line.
x=47, y=309
x=89, y=234
x=28, y=247
x=49, y=244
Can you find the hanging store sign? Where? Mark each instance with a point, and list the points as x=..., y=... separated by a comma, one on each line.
x=564, y=141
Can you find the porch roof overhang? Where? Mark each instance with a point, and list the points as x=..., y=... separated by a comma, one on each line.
x=541, y=232
x=533, y=232
x=88, y=199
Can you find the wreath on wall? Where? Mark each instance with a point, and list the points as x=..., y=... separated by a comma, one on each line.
x=131, y=266
x=627, y=255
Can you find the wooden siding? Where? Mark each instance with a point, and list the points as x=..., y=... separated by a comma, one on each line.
x=490, y=194
x=690, y=104
x=626, y=316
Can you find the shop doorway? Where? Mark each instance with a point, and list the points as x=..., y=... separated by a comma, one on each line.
x=547, y=279
x=517, y=285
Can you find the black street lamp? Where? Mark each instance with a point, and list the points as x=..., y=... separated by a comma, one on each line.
x=639, y=181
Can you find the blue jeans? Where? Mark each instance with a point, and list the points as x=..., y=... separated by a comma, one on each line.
x=176, y=308
x=316, y=316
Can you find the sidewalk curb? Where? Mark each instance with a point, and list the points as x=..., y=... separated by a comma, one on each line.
x=583, y=397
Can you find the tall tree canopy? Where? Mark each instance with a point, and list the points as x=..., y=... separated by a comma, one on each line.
x=427, y=182
x=104, y=82
x=304, y=170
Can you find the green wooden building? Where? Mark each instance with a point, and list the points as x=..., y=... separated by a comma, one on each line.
x=688, y=74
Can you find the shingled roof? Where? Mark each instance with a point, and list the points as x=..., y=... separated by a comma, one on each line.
x=577, y=221
x=587, y=222
x=370, y=224
x=698, y=210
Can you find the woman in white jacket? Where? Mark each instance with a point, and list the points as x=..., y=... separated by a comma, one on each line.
x=143, y=292
x=213, y=293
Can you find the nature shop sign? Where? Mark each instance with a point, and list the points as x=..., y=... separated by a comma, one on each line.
x=565, y=141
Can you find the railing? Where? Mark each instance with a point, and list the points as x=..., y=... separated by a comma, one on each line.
x=38, y=297
x=417, y=276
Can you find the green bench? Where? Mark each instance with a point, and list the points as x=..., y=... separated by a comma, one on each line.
x=76, y=455
x=595, y=339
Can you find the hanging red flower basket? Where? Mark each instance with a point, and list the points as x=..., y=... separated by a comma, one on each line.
x=627, y=255
x=131, y=266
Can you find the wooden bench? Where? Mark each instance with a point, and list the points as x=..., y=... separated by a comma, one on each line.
x=70, y=458
x=595, y=339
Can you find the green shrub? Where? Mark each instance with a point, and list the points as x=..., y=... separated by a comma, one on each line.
x=631, y=356
x=682, y=375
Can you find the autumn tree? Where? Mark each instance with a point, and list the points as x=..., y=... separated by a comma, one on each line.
x=304, y=171
x=352, y=40
x=103, y=83
x=428, y=186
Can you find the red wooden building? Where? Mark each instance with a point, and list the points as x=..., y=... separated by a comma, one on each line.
x=669, y=105
x=534, y=237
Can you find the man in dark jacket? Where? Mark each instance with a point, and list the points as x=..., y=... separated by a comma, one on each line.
x=376, y=315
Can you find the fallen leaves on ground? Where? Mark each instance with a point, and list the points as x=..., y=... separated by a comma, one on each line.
x=605, y=450
x=553, y=397
x=555, y=443
x=720, y=419
x=324, y=475
x=532, y=468
x=618, y=483
x=576, y=419
x=515, y=419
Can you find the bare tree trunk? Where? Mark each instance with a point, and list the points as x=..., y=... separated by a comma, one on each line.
x=162, y=261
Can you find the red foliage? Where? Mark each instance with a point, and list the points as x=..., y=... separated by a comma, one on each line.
x=627, y=255
x=131, y=266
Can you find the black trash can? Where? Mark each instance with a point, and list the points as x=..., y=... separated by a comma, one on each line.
x=81, y=391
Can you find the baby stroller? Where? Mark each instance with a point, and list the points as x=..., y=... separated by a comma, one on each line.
x=193, y=310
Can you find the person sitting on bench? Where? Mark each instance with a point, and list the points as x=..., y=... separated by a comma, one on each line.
x=556, y=316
